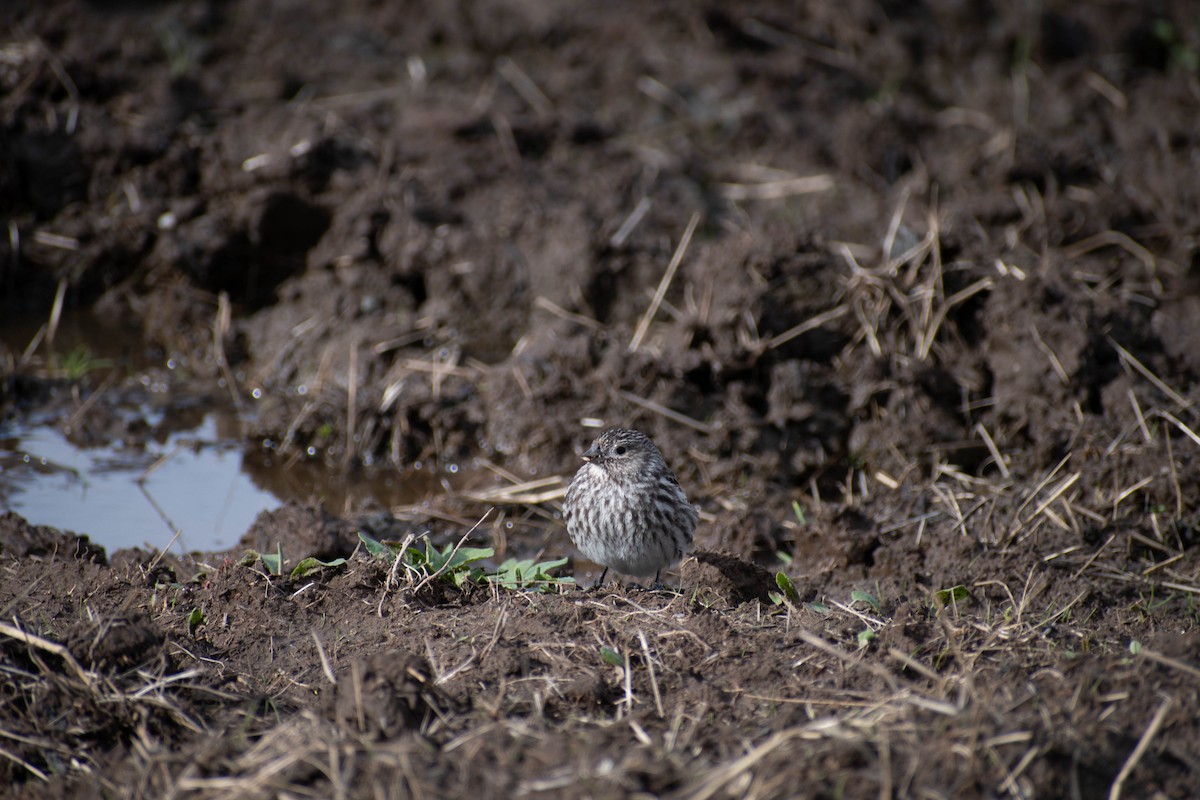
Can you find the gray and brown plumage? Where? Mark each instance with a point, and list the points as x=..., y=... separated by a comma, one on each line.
x=625, y=509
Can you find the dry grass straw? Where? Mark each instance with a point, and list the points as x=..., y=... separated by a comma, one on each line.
x=1140, y=750
x=774, y=188
x=659, y=408
x=49, y=330
x=901, y=304
x=351, y=406
x=644, y=323
x=98, y=700
x=947, y=704
x=524, y=86
x=905, y=713
x=547, y=304
x=222, y=325
x=630, y=223
x=534, y=492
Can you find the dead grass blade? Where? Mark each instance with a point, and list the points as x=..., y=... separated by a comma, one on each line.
x=351, y=406
x=1130, y=361
x=658, y=705
x=808, y=325
x=658, y=408
x=938, y=318
x=721, y=777
x=222, y=323
x=848, y=658
x=777, y=189
x=644, y=323
x=1141, y=418
x=1171, y=418
x=630, y=223
x=546, y=304
x=524, y=86
x=539, y=490
x=1017, y=524
x=1111, y=238
x=1173, y=663
x=56, y=312
x=1140, y=750
x=78, y=414
x=326, y=666
x=997, y=457
x=24, y=764
x=89, y=679
x=1056, y=364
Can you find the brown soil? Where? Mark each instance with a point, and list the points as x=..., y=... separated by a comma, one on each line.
x=935, y=339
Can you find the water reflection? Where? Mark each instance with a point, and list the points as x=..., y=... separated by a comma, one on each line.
x=194, y=477
x=135, y=458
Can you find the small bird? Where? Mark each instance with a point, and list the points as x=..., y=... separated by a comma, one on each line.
x=625, y=509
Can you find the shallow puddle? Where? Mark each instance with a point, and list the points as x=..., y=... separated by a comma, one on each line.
x=133, y=497
x=163, y=462
x=200, y=480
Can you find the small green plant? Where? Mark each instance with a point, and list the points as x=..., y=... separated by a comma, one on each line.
x=452, y=563
x=1148, y=604
x=798, y=510
x=274, y=563
x=787, y=590
x=377, y=549
x=76, y=364
x=865, y=636
x=311, y=564
x=460, y=565
x=611, y=656
x=948, y=597
x=1181, y=52
x=194, y=620
x=858, y=596
x=526, y=574
x=182, y=50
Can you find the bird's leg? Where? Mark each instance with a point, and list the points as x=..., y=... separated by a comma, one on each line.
x=657, y=586
x=600, y=582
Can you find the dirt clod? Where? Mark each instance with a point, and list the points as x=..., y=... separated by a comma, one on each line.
x=384, y=694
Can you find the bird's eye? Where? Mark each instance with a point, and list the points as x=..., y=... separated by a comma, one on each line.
x=620, y=450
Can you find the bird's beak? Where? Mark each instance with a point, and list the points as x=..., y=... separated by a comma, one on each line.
x=590, y=453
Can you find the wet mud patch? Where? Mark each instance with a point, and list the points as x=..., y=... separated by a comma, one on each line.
x=905, y=295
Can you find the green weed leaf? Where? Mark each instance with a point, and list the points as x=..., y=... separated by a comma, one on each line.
x=529, y=575
x=787, y=587
x=273, y=561
x=863, y=597
x=312, y=564
x=377, y=549
x=954, y=594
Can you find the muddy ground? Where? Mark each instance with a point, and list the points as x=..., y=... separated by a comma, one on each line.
x=931, y=350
